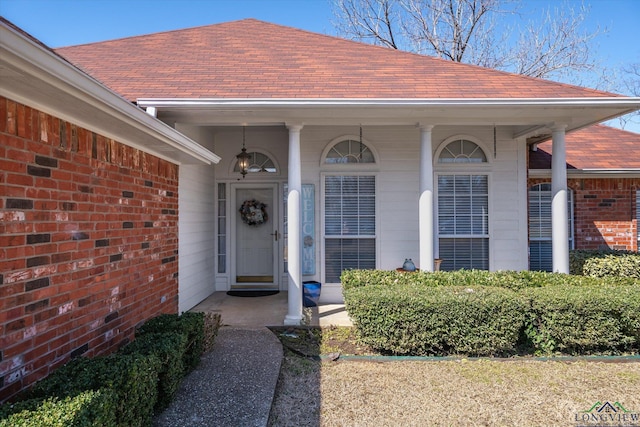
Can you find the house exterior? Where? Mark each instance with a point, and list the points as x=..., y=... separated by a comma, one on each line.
x=88, y=213
x=603, y=183
x=358, y=157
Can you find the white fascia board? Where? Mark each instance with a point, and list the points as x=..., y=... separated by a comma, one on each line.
x=588, y=173
x=42, y=64
x=631, y=103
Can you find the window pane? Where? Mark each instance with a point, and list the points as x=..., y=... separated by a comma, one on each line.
x=540, y=256
x=540, y=232
x=349, y=151
x=344, y=254
x=464, y=253
x=349, y=211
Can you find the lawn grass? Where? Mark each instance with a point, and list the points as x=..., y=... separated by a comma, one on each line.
x=484, y=392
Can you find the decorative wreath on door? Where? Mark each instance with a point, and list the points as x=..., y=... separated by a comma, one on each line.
x=253, y=212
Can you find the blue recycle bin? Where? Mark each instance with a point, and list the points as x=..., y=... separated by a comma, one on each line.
x=311, y=293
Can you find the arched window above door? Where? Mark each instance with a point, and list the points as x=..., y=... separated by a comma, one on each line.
x=258, y=162
x=462, y=151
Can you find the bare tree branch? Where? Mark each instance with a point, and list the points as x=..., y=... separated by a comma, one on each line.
x=555, y=46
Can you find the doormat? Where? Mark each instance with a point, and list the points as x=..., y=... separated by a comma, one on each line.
x=251, y=293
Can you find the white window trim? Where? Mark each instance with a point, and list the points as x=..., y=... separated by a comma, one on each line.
x=349, y=167
x=253, y=175
x=462, y=166
x=468, y=171
x=324, y=236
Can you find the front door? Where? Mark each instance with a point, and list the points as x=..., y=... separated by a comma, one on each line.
x=255, y=246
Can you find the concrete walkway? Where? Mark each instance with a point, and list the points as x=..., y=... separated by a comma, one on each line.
x=234, y=384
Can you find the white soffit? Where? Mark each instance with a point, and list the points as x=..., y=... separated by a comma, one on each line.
x=528, y=116
x=33, y=75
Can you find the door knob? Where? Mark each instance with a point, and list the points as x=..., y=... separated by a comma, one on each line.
x=276, y=235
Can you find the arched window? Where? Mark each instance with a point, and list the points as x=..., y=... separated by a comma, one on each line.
x=258, y=162
x=349, y=151
x=462, y=151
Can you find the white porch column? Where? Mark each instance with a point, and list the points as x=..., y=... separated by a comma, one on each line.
x=425, y=206
x=294, y=315
x=559, y=211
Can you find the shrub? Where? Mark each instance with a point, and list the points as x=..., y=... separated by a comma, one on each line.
x=620, y=265
x=502, y=279
x=585, y=320
x=190, y=324
x=211, y=326
x=577, y=258
x=169, y=348
x=132, y=378
x=86, y=409
x=424, y=320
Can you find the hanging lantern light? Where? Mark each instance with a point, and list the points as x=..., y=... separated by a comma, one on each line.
x=243, y=157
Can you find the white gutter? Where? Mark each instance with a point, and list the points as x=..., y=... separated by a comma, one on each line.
x=589, y=173
x=30, y=57
x=632, y=103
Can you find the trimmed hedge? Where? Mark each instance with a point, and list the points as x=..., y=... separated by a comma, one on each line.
x=86, y=409
x=502, y=279
x=493, y=313
x=133, y=378
x=578, y=258
x=422, y=320
x=594, y=319
x=169, y=348
x=190, y=324
x=625, y=265
x=122, y=389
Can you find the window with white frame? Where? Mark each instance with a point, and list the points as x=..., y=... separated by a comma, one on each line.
x=258, y=163
x=349, y=224
x=349, y=151
x=540, y=246
x=463, y=221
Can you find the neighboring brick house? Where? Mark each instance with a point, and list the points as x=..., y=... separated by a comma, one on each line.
x=88, y=222
x=603, y=171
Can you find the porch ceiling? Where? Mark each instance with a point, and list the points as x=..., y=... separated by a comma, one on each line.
x=527, y=117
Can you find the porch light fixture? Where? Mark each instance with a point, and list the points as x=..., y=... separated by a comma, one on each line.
x=243, y=157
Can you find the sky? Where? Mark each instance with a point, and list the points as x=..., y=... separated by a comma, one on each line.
x=59, y=23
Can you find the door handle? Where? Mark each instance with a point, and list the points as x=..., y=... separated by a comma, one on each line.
x=276, y=234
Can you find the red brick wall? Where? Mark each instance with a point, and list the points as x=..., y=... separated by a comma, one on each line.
x=88, y=243
x=604, y=212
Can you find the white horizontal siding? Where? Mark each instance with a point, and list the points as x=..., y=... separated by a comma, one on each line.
x=197, y=238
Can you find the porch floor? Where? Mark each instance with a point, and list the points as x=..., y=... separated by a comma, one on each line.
x=268, y=311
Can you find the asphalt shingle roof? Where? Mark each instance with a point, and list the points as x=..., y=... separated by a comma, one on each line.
x=255, y=59
x=594, y=147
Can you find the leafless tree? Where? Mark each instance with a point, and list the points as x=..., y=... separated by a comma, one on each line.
x=630, y=85
x=472, y=31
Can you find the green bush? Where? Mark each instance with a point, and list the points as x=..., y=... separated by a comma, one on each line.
x=190, y=324
x=169, y=348
x=86, y=409
x=578, y=258
x=427, y=313
x=424, y=320
x=619, y=265
x=133, y=378
x=594, y=319
x=501, y=279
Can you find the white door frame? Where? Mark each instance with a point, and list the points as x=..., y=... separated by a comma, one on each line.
x=273, y=209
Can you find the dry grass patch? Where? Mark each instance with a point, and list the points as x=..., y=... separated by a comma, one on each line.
x=447, y=393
